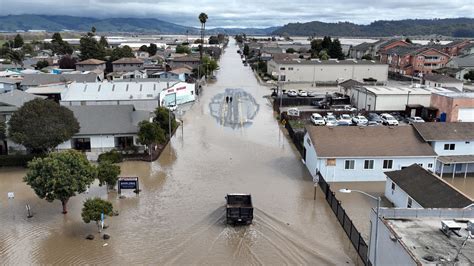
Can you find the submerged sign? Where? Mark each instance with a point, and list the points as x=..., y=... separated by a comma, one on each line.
x=128, y=183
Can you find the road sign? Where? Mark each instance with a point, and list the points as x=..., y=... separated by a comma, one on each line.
x=128, y=183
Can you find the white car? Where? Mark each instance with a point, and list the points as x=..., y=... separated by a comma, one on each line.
x=388, y=120
x=415, y=119
x=317, y=119
x=330, y=120
x=292, y=93
x=360, y=120
x=346, y=118
x=302, y=94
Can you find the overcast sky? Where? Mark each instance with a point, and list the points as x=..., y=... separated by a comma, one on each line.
x=247, y=13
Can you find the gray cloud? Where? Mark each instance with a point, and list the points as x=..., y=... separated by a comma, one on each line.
x=246, y=13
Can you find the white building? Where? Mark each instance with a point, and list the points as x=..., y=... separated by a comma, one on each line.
x=142, y=95
x=415, y=187
x=292, y=70
x=414, y=237
x=384, y=98
x=346, y=154
x=437, y=80
x=453, y=143
x=105, y=127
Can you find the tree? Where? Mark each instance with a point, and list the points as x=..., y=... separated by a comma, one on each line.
x=152, y=49
x=18, y=41
x=208, y=66
x=60, y=175
x=42, y=64
x=59, y=46
x=183, y=49
x=16, y=57
x=246, y=49
x=316, y=47
x=143, y=48
x=290, y=51
x=41, y=125
x=407, y=40
x=326, y=43
x=108, y=173
x=213, y=40
x=123, y=52
x=150, y=133
x=323, y=55
x=90, y=48
x=335, y=51
x=469, y=75
x=103, y=42
x=162, y=119
x=94, y=208
x=67, y=62
x=27, y=49
x=203, y=19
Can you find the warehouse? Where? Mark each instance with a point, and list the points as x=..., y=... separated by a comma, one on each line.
x=292, y=70
x=383, y=98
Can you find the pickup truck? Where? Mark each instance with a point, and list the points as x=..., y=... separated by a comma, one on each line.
x=239, y=208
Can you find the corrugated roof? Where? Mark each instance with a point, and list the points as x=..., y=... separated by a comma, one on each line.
x=441, y=78
x=332, y=142
x=435, y=131
x=427, y=189
x=108, y=119
x=46, y=79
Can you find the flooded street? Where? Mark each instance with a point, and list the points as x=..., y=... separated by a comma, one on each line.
x=179, y=217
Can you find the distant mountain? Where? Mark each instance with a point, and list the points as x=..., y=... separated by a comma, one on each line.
x=456, y=27
x=13, y=23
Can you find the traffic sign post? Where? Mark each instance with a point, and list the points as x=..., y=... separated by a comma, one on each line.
x=128, y=183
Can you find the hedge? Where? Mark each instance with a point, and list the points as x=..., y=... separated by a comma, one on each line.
x=112, y=156
x=15, y=160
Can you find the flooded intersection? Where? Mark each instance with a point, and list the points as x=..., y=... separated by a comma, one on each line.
x=179, y=216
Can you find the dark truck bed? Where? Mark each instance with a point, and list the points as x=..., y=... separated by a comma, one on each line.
x=239, y=208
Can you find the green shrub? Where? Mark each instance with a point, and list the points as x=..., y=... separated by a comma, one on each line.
x=112, y=156
x=15, y=160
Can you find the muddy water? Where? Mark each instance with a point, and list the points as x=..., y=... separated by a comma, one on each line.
x=179, y=216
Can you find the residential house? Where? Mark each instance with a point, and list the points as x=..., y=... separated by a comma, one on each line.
x=467, y=50
x=127, y=64
x=454, y=48
x=182, y=74
x=413, y=60
x=37, y=80
x=437, y=80
x=453, y=106
x=141, y=54
x=105, y=127
x=416, y=187
x=453, y=143
x=350, y=154
x=135, y=74
x=184, y=61
x=9, y=84
x=91, y=65
x=463, y=64
x=326, y=71
x=373, y=49
x=413, y=237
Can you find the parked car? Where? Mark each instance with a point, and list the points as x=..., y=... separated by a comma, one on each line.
x=330, y=120
x=346, y=118
x=388, y=120
x=415, y=119
x=317, y=119
x=292, y=93
x=345, y=108
x=360, y=120
x=374, y=118
x=302, y=93
x=343, y=123
x=320, y=104
x=398, y=116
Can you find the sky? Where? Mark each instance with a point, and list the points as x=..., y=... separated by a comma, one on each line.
x=246, y=13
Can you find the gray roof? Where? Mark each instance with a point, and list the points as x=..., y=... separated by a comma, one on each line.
x=435, y=131
x=362, y=47
x=350, y=83
x=464, y=61
x=108, y=119
x=46, y=79
x=352, y=142
x=10, y=80
x=128, y=60
x=427, y=189
x=441, y=78
x=16, y=98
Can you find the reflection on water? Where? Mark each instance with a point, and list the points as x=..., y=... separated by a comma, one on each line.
x=465, y=185
x=178, y=218
x=234, y=108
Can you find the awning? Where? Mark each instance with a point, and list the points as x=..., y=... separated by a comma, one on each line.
x=456, y=159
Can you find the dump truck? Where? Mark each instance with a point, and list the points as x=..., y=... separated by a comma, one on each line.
x=239, y=208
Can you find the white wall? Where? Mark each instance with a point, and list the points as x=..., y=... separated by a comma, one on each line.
x=311, y=159
x=387, y=102
x=97, y=141
x=145, y=105
x=457, y=85
x=398, y=197
x=460, y=148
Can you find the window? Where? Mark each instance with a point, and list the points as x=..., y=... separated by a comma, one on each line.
x=387, y=164
x=369, y=164
x=349, y=164
x=331, y=162
x=420, y=164
x=290, y=68
x=430, y=165
x=449, y=147
x=409, y=203
x=467, y=142
x=393, y=187
x=282, y=68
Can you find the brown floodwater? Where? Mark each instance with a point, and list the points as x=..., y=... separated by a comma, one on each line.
x=178, y=218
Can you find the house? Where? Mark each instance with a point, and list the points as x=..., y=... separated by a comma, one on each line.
x=457, y=73
x=326, y=71
x=413, y=237
x=437, y=80
x=91, y=65
x=141, y=54
x=453, y=143
x=9, y=84
x=136, y=74
x=349, y=154
x=463, y=64
x=182, y=74
x=454, y=106
x=385, y=98
x=372, y=49
x=179, y=62
x=413, y=60
x=416, y=187
x=105, y=127
x=454, y=48
x=347, y=85
x=37, y=80
x=467, y=50
x=142, y=95
x=127, y=64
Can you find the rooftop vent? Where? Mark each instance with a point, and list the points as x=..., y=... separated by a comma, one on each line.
x=450, y=227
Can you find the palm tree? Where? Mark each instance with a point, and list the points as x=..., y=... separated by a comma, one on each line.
x=203, y=19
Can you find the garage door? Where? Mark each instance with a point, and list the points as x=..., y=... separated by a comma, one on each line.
x=466, y=114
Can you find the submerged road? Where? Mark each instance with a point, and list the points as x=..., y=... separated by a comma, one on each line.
x=179, y=218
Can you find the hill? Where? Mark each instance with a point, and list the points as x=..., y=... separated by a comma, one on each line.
x=456, y=27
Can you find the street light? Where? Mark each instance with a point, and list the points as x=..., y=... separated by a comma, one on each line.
x=378, y=199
